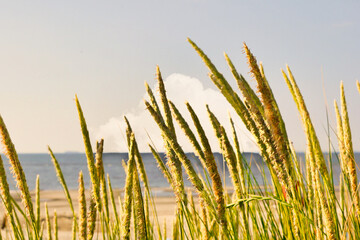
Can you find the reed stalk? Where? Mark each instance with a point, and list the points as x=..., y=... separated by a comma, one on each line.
x=206, y=156
x=349, y=157
x=138, y=158
x=204, y=222
x=112, y=199
x=91, y=218
x=90, y=156
x=48, y=223
x=6, y=198
x=73, y=228
x=61, y=180
x=37, y=201
x=82, y=209
x=173, y=161
x=162, y=166
x=99, y=165
x=139, y=207
x=271, y=112
x=235, y=101
x=307, y=124
x=56, y=235
x=126, y=215
x=194, y=178
x=18, y=173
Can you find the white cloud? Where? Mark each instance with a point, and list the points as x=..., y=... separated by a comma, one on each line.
x=180, y=89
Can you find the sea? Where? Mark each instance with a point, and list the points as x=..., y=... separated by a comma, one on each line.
x=72, y=163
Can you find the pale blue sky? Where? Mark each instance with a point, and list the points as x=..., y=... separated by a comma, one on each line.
x=105, y=51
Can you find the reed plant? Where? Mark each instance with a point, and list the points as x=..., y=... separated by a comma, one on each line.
x=297, y=201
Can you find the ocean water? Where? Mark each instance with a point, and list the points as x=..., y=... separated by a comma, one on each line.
x=72, y=163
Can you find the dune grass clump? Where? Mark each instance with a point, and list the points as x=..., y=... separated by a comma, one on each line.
x=296, y=202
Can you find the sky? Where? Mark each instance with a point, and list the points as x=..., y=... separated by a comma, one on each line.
x=105, y=51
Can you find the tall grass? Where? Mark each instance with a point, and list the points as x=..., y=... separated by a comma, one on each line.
x=291, y=204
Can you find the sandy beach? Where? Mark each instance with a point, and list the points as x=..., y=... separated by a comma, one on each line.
x=165, y=206
x=56, y=201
